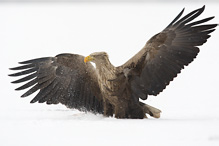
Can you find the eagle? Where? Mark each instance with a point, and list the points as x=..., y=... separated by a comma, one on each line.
x=72, y=80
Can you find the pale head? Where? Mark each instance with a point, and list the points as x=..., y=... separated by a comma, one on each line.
x=97, y=57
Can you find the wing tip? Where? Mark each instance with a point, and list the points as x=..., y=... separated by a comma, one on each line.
x=176, y=18
x=203, y=7
x=14, y=82
x=13, y=68
x=10, y=75
x=183, y=10
x=22, y=96
x=19, y=88
x=33, y=101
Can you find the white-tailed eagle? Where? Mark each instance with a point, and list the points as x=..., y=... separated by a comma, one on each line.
x=71, y=79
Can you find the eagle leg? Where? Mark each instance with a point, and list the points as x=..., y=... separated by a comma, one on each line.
x=136, y=111
x=121, y=110
x=108, y=108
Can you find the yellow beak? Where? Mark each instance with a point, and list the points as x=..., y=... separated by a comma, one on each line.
x=88, y=58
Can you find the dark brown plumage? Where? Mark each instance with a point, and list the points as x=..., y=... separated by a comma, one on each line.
x=110, y=90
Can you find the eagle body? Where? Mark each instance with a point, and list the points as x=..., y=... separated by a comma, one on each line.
x=72, y=80
x=116, y=97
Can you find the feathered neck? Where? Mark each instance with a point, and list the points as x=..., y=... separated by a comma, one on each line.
x=104, y=67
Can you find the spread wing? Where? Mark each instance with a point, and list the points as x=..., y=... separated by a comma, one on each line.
x=166, y=53
x=62, y=79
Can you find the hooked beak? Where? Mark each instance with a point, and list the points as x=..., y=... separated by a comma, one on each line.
x=88, y=58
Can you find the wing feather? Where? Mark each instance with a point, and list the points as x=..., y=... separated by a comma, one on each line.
x=28, y=71
x=62, y=79
x=166, y=54
x=31, y=76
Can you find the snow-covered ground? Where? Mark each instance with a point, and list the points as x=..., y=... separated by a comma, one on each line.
x=190, y=104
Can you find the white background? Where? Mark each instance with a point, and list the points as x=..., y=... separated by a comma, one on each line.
x=190, y=104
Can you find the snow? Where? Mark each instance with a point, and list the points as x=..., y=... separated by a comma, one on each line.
x=190, y=104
